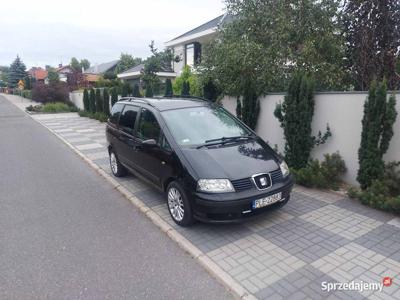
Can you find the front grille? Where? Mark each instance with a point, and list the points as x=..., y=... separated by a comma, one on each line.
x=276, y=176
x=242, y=184
x=246, y=183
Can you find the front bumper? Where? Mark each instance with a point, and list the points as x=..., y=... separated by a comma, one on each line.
x=237, y=207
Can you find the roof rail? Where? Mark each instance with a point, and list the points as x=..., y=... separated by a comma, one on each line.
x=186, y=97
x=132, y=99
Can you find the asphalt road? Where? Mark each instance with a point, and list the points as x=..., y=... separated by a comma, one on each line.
x=65, y=233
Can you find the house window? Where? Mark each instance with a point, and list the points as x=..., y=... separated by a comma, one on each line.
x=192, y=54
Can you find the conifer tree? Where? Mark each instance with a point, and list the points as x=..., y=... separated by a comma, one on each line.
x=86, y=104
x=377, y=131
x=114, y=96
x=99, y=101
x=16, y=72
x=185, y=89
x=295, y=115
x=92, y=101
x=106, y=102
x=149, y=90
x=168, y=88
x=136, y=91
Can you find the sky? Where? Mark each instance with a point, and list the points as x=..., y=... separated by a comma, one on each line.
x=50, y=32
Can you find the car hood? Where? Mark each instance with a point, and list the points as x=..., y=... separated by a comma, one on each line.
x=232, y=161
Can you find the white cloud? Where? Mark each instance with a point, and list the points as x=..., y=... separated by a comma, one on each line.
x=48, y=31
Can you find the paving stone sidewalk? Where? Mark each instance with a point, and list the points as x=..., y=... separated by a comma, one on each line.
x=286, y=254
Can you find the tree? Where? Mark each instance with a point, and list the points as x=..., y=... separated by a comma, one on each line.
x=92, y=101
x=99, y=101
x=185, y=89
x=210, y=90
x=86, y=103
x=377, y=131
x=84, y=64
x=4, y=71
x=189, y=76
x=106, y=102
x=127, y=61
x=372, y=31
x=295, y=115
x=168, y=88
x=136, y=91
x=16, y=72
x=53, y=76
x=126, y=89
x=114, y=96
x=28, y=83
x=149, y=91
x=268, y=41
x=75, y=65
x=157, y=62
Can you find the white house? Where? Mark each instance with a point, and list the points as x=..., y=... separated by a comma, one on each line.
x=188, y=46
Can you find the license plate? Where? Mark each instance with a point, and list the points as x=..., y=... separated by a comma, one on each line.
x=267, y=200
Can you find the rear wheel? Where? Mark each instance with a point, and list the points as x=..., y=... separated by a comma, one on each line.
x=178, y=205
x=117, y=169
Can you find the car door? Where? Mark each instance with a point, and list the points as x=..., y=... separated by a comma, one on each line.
x=126, y=137
x=153, y=161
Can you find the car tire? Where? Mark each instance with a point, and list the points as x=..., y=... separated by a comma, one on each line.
x=117, y=169
x=178, y=205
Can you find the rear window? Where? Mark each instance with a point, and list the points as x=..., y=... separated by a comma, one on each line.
x=116, y=112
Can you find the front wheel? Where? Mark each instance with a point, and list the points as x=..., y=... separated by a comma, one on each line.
x=178, y=205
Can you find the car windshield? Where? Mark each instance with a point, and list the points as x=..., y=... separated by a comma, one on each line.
x=200, y=125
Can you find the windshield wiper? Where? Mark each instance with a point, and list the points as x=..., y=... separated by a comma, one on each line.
x=223, y=140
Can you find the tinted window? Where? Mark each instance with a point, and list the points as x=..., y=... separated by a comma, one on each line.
x=116, y=112
x=148, y=126
x=128, y=118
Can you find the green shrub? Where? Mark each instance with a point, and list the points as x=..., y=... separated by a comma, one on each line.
x=52, y=107
x=383, y=193
x=57, y=107
x=97, y=116
x=322, y=175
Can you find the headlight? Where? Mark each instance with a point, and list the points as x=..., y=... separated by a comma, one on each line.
x=284, y=169
x=215, y=185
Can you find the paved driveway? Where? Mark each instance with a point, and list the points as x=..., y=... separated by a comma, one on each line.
x=317, y=237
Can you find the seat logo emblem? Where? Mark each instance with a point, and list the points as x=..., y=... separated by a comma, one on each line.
x=263, y=181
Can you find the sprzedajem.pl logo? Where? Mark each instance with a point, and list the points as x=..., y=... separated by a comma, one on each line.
x=358, y=286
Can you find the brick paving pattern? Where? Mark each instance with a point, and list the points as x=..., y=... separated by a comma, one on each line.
x=286, y=254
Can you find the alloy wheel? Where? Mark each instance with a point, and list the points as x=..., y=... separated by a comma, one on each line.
x=113, y=163
x=175, y=204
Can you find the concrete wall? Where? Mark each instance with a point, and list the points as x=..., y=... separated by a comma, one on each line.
x=342, y=111
x=77, y=99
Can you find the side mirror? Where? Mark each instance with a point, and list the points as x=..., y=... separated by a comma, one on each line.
x=149, y=143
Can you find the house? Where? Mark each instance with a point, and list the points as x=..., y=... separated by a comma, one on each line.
x=38, y=74
x=132, y=75
x=93, y=73
x=63, y=72
x=188, y=46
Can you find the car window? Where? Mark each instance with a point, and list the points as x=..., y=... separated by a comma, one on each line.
x=128, y=118
x=116, y=112
x=164, y=143
x=148, y=126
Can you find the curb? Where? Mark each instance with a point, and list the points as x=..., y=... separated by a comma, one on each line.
x=237, y=290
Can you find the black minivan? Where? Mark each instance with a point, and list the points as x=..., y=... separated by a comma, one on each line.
x=210, y=165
